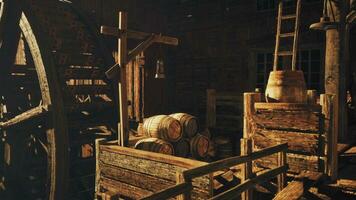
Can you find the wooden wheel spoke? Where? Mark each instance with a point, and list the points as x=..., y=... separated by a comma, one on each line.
x=31, y=114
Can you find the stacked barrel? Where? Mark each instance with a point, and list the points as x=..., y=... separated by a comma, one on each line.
x=175, y=134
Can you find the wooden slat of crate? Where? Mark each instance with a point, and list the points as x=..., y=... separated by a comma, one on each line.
x=156, y=170
x=296, y=163
x=299, y=142
x=298, y=121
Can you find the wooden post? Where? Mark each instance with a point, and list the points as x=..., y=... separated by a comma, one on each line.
x=210, y=108
x=181, y=179
x=249, y=108
x=246, y=149
x=98, y=142
x=311, y=96
x=122, y=56
x=282, y=161
x=335, y=69
x=330, y=133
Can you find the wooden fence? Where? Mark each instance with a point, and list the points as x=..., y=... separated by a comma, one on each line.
x=184, y=185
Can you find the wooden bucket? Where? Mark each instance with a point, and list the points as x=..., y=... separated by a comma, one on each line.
x=188, y=122
x=199, y=146
x=155, y=145
x=286, y=87
x=224, y=147
x=163, y=127
x=181, y=148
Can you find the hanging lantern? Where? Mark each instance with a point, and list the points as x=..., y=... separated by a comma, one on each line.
x=160, y=69
x=325, y=22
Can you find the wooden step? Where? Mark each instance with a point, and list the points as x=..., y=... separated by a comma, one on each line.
x=285, y=17
x=284, y=35
x=285, y=53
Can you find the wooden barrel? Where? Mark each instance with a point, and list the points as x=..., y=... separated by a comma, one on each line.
x=155, y=145
x=199, y=146
x=223, y=147
x=286, y=87
x=163, y=127
x=181, y=148
x=188, y=122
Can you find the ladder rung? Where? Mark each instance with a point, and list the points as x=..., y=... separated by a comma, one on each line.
x=283, y=35
x=285, y=53
x=289, y=16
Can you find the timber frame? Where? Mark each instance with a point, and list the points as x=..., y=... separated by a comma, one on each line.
x=124, y=56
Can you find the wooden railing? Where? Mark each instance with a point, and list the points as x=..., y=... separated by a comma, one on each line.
x=184, y=185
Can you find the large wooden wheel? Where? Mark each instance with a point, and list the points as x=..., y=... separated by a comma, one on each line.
x=54, y=100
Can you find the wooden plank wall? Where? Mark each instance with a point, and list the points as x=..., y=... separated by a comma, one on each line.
x=219, y=40
x=135, y=174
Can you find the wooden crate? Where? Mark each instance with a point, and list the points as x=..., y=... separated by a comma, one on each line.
x=307, y=128
x=133, y=174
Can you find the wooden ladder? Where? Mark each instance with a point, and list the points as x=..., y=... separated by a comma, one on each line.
x=280, y=35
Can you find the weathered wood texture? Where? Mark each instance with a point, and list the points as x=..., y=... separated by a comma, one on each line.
x=135, y=174
x=299, y=186
x=300, y=125
x=330, y=134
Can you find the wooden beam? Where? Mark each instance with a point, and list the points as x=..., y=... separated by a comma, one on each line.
x=142, y=47
x=328, y=109
x=122, y=60
x=281, y=178
x=229, y=162
x=28, y=115
x=249, y=108
x=106, y=30
x=246, y=149
x=299, y=186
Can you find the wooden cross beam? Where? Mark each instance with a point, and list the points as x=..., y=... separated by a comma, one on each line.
x=123, y=57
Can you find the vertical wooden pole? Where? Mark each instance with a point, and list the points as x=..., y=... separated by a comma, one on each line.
x=180, y=179
x=282, y=161
x=137, y=86
x=246, y=149
x=98, y=142
x=279, y=23
x=330, y=133
x=122, y=56
x=249, y=108
x=210, y=108
x=296, y=36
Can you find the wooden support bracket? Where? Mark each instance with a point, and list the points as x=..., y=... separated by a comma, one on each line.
x=112, y=31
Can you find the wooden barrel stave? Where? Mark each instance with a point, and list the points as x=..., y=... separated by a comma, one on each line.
x=199, y=146
x=155, y=145
x=286, y=86
x=188, y=122
x=163, y=127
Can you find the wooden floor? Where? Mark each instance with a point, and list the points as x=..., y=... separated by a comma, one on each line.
x=345, y=187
